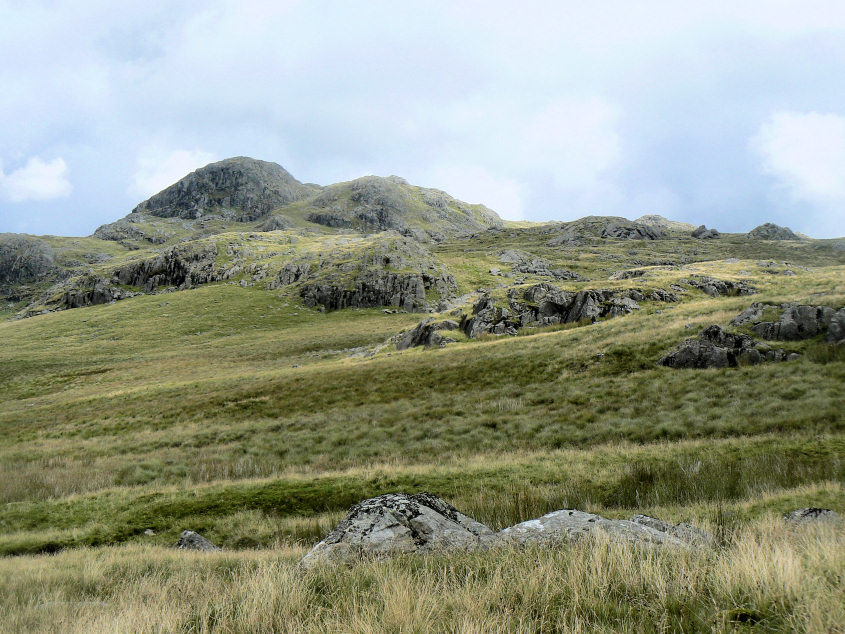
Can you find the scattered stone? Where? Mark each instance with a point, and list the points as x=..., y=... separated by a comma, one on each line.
x=770, y=231
x=715, y=348
x=811, y=514
x=189, y=540
x=495, y=271
x=397, y=523
x=149, y=532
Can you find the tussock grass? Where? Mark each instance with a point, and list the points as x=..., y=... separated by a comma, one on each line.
x=768, y=575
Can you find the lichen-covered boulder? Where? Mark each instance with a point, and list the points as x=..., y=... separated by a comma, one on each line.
x=397, y=523
x=189, y=540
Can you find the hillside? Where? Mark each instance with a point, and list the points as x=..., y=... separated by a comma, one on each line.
x=251, y=385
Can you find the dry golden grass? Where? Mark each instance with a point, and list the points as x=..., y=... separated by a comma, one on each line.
x=770, y=575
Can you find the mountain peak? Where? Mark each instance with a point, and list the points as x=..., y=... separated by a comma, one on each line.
x=237, y=188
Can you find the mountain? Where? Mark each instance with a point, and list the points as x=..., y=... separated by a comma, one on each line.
x=241, y=192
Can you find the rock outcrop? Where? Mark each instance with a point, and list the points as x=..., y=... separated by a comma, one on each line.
x=427, y=333
x=659, y=222
x=182, y=266
x=811, y=514
x=238, y=188
x=715, y=348
x=716, y=288
x=189, y=540
x=771, y=231
x=531, y=265
x=577, y=232
x=24, y=259
x=545, y=304
x=703, y=233
x=397, y=523
x=571, y=526
x=91, y=290
x=796, y=322
x=382, y=270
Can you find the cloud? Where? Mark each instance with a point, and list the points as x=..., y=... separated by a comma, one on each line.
x=474, y=184
x=157, y=169
x=805, y=155
x=37, y=180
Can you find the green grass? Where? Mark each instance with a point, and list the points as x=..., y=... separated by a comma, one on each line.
x=243, y=414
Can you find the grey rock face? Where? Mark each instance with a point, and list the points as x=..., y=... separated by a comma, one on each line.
x=238, y=188
x=545, y=304
x=181, y=266
x=189, y=540
x=398, y=523
x=24, y=259
x=276, y=223
x=91, y=291
x=795, y=323
x=812, y=514
x=656, y=220
x=427, y=333
x=771, y=231
x=715, y=348
x=570, y=525
x=703, y=233
x=377, y=288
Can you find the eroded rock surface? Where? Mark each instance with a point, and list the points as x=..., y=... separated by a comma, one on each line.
x=579, y=231
x=397, y=523
x=796, y=322
x=703, y=233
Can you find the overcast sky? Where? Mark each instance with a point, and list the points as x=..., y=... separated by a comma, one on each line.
x=723, y=113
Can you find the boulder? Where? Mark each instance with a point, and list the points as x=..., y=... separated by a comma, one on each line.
x=570, y=525
x=811, y=514
x=398, y=523
x=427, y=333
x=627, y=275
x=771, y=231
x=189, y=540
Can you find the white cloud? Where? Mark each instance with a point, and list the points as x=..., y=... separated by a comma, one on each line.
x=574, y=139
x=37, y=180
x=157, y=169
x=474, y=184
x=805, y=154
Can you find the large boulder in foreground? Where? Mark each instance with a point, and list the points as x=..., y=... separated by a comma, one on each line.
x=716, y=348
x=397, y=523
x=569, y=525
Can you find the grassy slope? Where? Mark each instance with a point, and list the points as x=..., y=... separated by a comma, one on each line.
x=240, y=413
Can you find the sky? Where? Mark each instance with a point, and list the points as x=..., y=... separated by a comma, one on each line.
x=724, y=113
